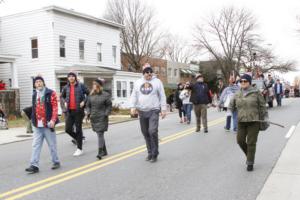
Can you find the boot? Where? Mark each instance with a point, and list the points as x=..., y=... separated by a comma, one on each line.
x=249, y=168
x=100, y=153
x=104, y=150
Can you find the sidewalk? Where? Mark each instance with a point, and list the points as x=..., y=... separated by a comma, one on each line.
x=284, y=181
x=19, y=134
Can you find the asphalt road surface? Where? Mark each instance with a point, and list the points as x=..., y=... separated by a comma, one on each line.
x=191, y=166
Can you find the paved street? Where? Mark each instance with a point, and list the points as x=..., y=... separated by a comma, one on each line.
x=191, y=166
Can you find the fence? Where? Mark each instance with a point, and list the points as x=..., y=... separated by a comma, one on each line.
x=10, y=101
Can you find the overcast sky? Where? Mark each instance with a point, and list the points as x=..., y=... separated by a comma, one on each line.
x=276, y=18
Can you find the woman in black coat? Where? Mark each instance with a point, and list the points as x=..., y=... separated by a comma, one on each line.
x=99, y=107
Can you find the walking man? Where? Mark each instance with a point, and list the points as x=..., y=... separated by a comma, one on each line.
x=44, y=118
x=278, y=88
x=148, y=99
x=74, y=96
x=201, y=97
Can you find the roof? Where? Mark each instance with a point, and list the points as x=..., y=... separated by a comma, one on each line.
x=85, y=69
x=72, y=13
x=4, y=58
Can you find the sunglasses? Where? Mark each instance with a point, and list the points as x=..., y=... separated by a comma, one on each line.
x=244, y=81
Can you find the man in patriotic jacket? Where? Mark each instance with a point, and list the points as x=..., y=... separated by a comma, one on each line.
x=44, y=118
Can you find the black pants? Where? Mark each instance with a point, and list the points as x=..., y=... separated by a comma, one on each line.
x=75, y=118
x=149, y=124
x=247, y=138
x=181, y=112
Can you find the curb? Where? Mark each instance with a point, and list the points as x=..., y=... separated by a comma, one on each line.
x=284, y=179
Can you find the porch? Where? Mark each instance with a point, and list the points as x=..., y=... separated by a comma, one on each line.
x=8, y=71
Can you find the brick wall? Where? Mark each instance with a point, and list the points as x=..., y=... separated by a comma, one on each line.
x=159, y=66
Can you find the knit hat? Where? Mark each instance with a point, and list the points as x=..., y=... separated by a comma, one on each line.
x=147, y=68
x=72, y=74
x=247, y=77
x=39, y=77
x=198, y=76
x=99, y=81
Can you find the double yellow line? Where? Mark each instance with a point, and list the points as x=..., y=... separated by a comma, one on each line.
x=65, y=176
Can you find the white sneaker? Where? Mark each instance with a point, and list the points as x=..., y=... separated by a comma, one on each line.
x=78, y=152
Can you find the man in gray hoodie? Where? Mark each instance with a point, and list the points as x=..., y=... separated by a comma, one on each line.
x=148, y=100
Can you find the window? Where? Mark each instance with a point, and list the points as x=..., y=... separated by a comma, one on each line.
x=131, y=87
x=156, y=70
x=122, y=89
x=114, y=54
x=170, y=72
x=99, y=52
x=175, y=72
x=163, y=71
x=81, y=49
x=34, y=48
x=62, y=46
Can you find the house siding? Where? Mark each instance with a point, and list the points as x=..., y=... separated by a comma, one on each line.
x=75, y=29
x=16, y=32
x=47, y=26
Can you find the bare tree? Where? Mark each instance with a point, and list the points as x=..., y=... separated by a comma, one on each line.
x=224, y=37
x=257, y=56
x=140, y=36
x=177, y=49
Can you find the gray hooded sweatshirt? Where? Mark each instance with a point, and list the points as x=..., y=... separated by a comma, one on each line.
x=148, y=95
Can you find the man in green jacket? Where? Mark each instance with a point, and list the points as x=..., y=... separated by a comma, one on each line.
x=250, y=105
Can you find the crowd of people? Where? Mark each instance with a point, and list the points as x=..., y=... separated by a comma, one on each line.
x=244, y=106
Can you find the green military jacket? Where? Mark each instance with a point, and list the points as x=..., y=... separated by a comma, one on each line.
x=250, y=107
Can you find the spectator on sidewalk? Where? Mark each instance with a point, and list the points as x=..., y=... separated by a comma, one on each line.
x=185, y=96
x=148, y=99
x=278, y=88
x=3, y=121
x=170, y=101
x=250, y=105
x=201, y=97
x=225, y=99
x=44, y=118
x=74, y=96
x=99, y=107
x=26, y=115
x=178, y=103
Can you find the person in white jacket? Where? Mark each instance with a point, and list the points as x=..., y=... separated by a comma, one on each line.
x=148, y=100
x=185, y=96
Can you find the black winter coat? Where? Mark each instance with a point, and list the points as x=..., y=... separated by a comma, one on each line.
x=81, y=93
x=99, y=107
x=200, y=94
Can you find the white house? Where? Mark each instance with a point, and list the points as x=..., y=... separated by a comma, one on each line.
x=53, y=41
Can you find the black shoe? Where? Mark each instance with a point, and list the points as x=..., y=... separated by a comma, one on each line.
x=74, y=142
x=55, y=166
x=153, y=159
x=148, y=158
x=197, y=130
x=249, y=168
x=32, y=169
x=100, y=153
x=104, y=150
x=205, y=131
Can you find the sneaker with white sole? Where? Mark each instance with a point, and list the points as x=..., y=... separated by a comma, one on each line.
x=78, y=152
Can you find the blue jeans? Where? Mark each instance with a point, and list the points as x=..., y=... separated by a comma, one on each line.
x=278, y=99
x=38, y=138
x=228, y=121
x=188, y=111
